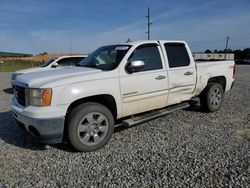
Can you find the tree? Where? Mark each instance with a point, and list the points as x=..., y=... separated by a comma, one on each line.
x=246, y=53
x=208, y=51
x=215, y=51
x=228, y=51
x=238, y=54
x=242, y=54
x=128, y=40
x=44, y=53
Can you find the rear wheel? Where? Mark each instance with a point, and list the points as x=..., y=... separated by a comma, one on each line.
x=212, y=97
x=90, y=126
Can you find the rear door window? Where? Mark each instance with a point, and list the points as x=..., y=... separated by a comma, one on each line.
x=177, y=55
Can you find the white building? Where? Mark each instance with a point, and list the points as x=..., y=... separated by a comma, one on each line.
x=213, y=56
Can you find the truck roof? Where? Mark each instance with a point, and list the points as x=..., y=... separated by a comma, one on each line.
x=66, y=56
x=151, y=41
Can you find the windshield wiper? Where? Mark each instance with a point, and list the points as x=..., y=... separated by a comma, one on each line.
x=91, y=66
x=95, y=67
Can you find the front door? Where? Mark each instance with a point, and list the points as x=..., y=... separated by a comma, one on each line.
x=146, y=89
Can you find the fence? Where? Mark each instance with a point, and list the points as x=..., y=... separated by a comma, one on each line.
x=14, y=65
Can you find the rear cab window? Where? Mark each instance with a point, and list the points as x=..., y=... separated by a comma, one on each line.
x=177, y=55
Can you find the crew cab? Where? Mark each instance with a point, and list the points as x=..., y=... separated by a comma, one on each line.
x=50, y=64
x=123, y=84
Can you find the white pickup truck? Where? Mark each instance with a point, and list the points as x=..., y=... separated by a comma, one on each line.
x=117, y=84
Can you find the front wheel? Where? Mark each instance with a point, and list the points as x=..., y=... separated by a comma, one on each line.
x=212, y=97
x=90, y=126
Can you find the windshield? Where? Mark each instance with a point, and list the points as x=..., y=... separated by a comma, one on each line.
x=106, y=57
x=45, y=64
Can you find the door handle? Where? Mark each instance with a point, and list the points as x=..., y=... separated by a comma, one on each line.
x=188, y=73
x=160, y=77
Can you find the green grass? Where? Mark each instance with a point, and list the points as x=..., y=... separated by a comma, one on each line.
x=14, y=65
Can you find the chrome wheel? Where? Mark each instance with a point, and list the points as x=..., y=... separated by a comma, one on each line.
x=216, y=97
x=211, y=97
x=92, y=128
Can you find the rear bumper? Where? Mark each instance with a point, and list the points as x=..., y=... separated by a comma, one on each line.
x=49, y=131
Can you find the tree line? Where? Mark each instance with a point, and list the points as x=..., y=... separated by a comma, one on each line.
x=238, y=54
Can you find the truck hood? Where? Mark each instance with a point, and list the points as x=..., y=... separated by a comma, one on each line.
x=36, y=69
x=38, y=79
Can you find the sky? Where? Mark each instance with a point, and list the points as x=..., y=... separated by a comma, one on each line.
x=36, y=26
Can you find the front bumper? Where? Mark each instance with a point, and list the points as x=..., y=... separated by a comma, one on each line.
x=46, y=130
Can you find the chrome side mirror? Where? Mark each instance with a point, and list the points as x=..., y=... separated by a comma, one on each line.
x=135, y=65
x=54, y=65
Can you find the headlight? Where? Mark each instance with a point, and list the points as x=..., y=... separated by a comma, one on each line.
x=39, y=97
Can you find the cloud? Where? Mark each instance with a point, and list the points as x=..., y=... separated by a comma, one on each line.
x=134, y=31
x=204, y=24
x=182, y=9
x=207, y=33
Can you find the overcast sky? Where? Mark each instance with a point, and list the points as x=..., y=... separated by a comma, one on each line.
x=35, y=26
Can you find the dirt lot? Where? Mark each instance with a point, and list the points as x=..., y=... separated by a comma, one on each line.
x=185, y=148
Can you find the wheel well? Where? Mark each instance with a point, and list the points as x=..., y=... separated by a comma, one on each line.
x=106, y=100
x=219, y=79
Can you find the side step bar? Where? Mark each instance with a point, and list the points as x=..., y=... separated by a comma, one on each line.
x=153, y=114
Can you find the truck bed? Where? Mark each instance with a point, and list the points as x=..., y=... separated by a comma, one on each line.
x=207, y=69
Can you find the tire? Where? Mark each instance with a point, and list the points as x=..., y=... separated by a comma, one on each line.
x=212, y=97
x=90, y=126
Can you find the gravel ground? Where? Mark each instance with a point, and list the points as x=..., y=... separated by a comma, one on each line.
x=187, y=148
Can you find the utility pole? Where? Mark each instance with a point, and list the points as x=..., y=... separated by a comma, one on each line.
x=226, y=47
x=149, y=23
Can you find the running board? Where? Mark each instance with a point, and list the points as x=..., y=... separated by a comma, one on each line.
x=153, y=114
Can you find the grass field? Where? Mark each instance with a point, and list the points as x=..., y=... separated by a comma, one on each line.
x=14, y=65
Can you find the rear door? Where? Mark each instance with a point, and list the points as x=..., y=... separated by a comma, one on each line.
x=181, y=72
x=146, y=89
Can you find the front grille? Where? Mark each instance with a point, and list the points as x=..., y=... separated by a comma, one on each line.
x=20, y=95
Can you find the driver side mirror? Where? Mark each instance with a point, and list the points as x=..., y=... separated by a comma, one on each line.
x=135, y=66
x=54, y=65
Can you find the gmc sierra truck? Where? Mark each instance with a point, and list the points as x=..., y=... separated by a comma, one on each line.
x=123, y=84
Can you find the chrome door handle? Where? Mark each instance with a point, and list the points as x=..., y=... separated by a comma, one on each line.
x=188, y=73
x=160, y=77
